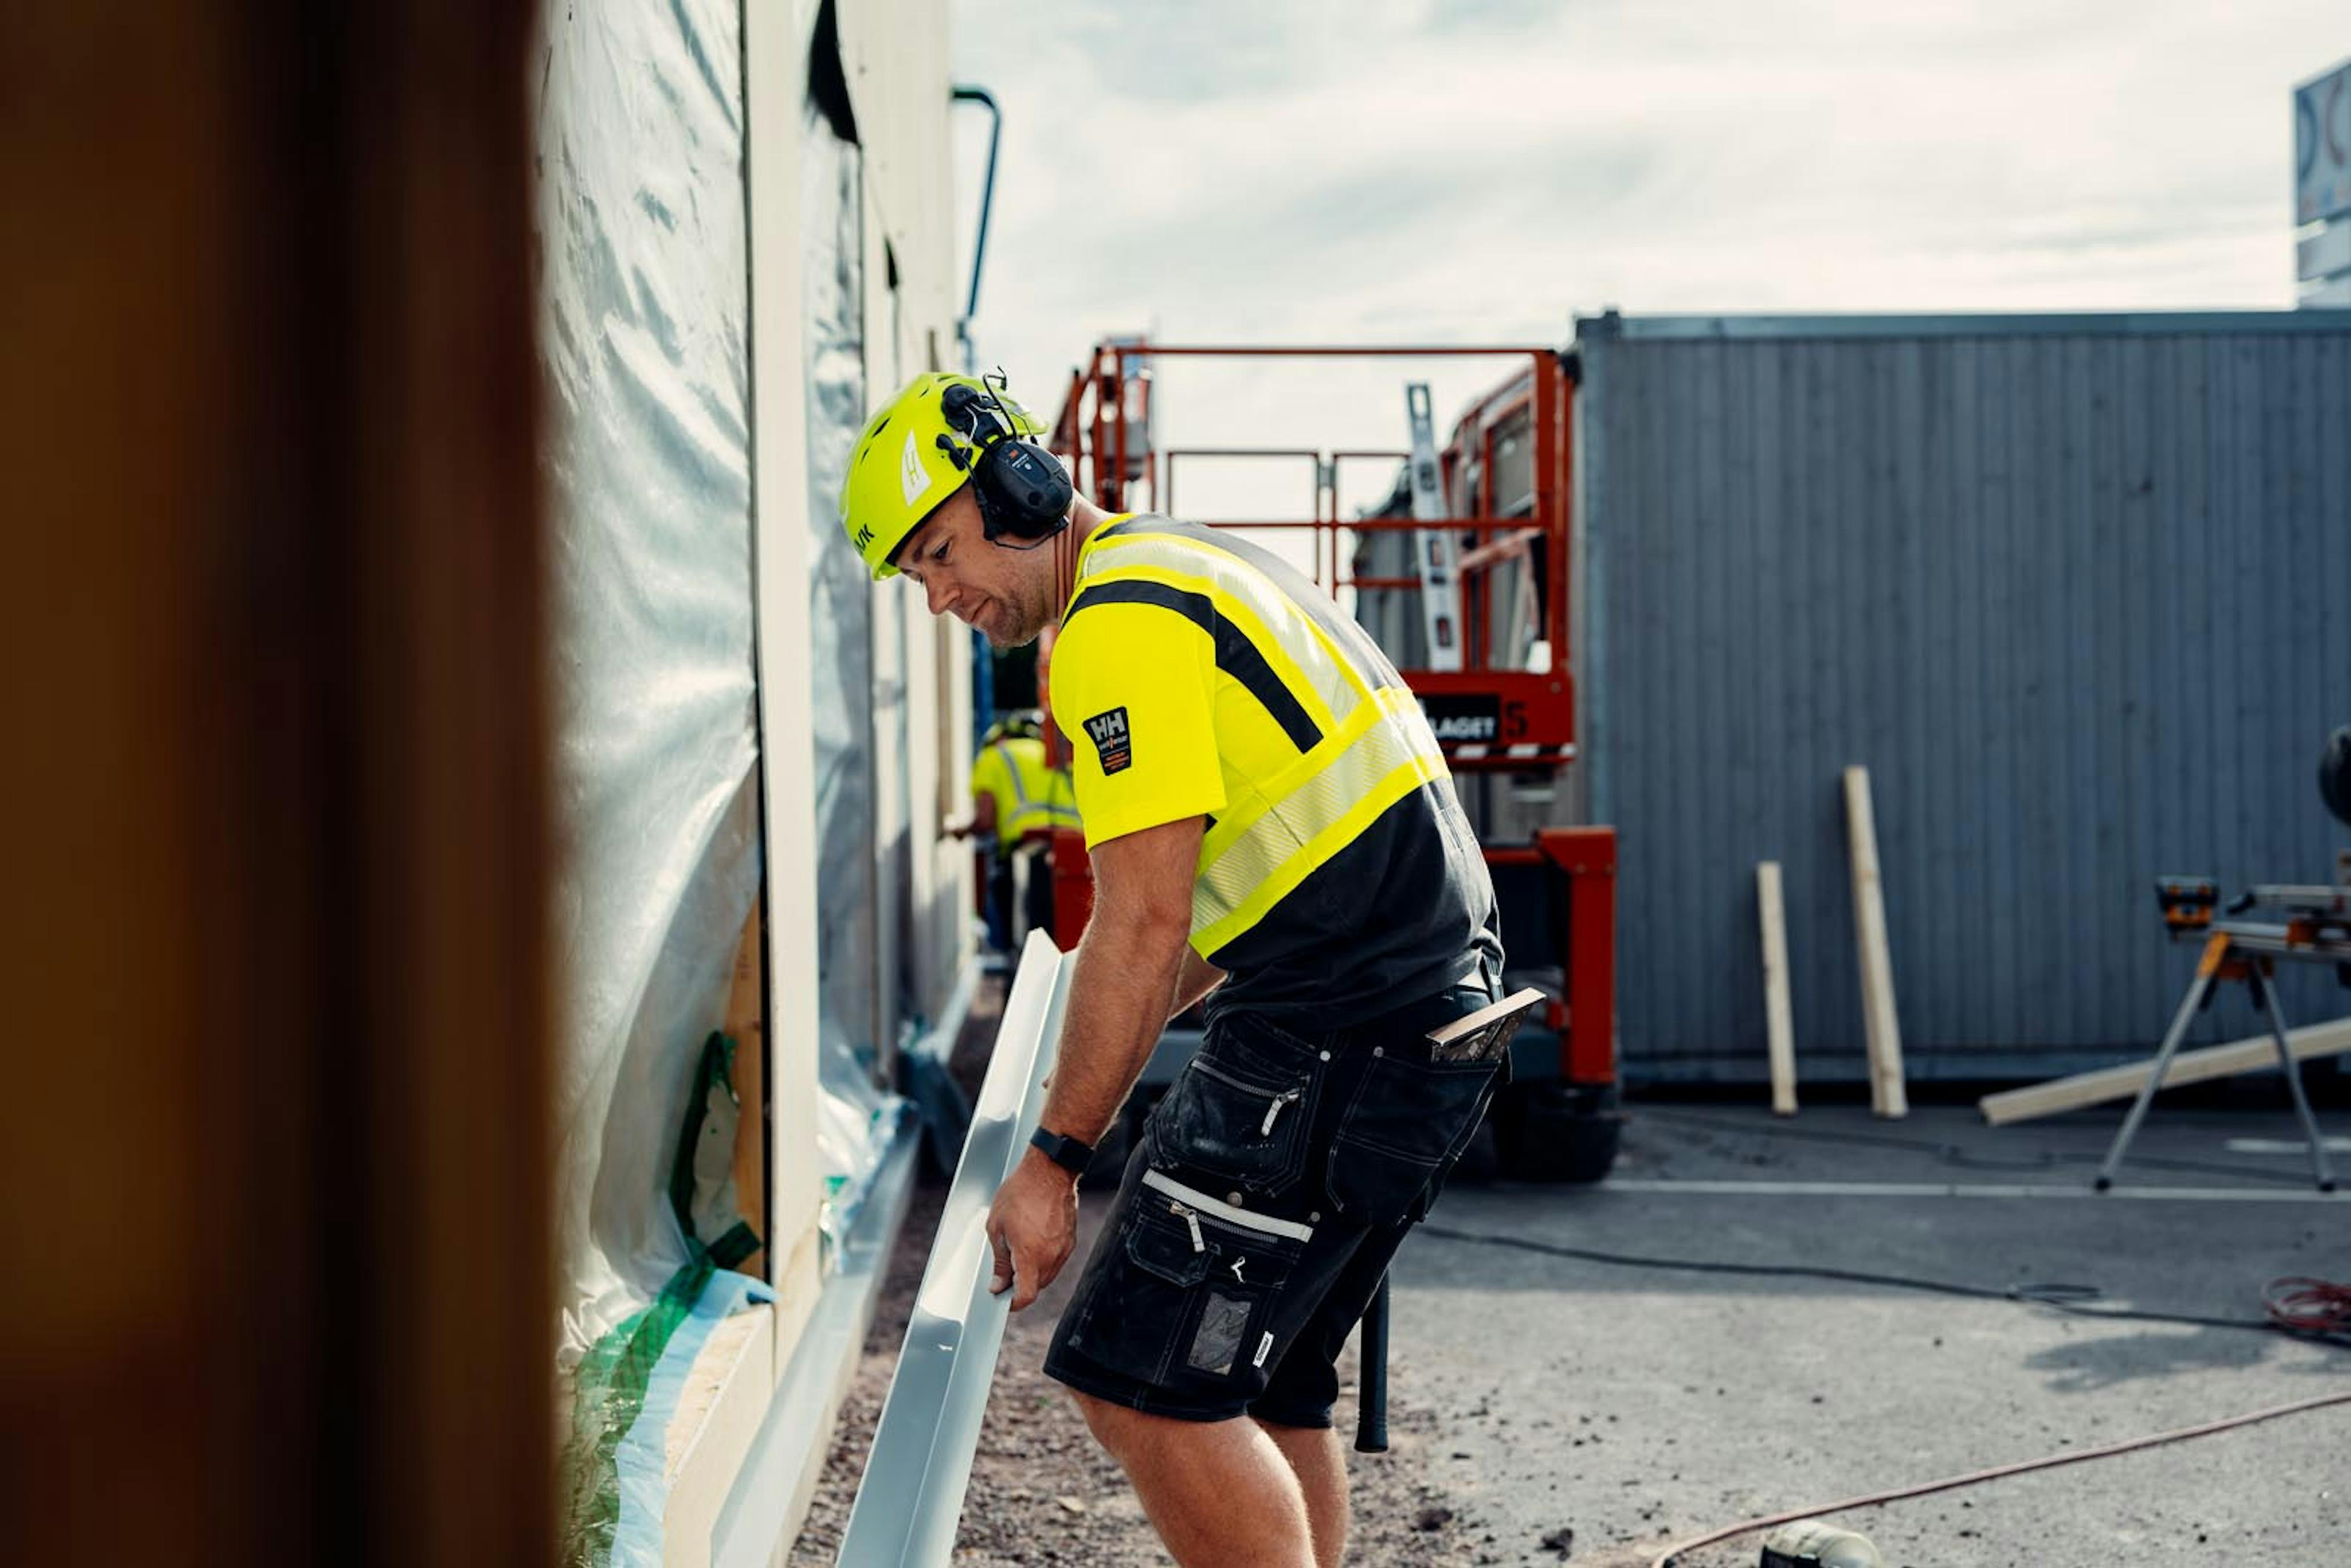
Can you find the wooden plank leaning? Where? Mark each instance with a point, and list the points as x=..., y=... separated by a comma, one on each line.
x=1778, y=1016
x=746, y=1023
x=1887, y=1095
x=2309, y=1042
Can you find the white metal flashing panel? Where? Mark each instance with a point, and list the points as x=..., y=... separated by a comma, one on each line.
x=911, y=1496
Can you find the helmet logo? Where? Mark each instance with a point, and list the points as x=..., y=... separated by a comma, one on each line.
x=911, y=479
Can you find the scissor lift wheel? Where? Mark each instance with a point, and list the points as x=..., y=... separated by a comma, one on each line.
x=1553, y=1130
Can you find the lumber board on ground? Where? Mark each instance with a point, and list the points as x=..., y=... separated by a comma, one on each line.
x=1887, y=1095
x=1778, y=1016
x=2309, y=1043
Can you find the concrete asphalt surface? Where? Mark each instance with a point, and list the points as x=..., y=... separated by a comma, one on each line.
x=1594, y=1413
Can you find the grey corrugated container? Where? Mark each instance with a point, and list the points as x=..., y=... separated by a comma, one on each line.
x=2076, y=590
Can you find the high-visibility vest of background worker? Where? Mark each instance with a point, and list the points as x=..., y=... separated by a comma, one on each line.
x=1270, y=818
x=1018, y=799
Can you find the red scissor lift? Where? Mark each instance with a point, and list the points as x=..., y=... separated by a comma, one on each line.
x=1556, y=884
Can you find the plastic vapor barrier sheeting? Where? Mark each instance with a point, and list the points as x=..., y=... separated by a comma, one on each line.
x=853, y=1117
x=644, y=303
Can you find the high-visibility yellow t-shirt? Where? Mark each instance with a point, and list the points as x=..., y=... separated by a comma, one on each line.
x=1197, y=675
x=1029, y=792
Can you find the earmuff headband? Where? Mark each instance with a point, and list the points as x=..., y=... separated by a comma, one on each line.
x=1022, y=491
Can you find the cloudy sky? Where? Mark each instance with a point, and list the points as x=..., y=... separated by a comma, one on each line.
x=1438, y=171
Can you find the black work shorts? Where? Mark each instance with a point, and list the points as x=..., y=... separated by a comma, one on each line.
x=1273, y=1184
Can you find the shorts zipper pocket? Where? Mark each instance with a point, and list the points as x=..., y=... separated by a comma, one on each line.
x=1193, y=1205
x=1287, y=1097
x=1277, y=1099
x=1236, y=1123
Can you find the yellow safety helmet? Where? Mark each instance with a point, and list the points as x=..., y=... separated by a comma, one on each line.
x=1027, y=722
x=913, y=456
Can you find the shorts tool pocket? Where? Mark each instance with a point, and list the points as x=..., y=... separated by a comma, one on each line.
x=1225, y=1334
x=1134, y=1314
x=1408, y=1122
x=1239, y=1111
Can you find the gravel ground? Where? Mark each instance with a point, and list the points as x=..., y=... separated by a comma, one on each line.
x=1582, y=1411
x=1042, y=1491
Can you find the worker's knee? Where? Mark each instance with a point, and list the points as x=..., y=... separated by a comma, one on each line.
x=1128, y=1433
x=1114, y=1427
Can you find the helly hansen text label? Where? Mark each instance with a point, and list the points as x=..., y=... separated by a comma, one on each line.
x=1112, y=744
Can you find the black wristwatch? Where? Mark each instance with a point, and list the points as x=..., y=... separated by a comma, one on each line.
x=1064, y=1150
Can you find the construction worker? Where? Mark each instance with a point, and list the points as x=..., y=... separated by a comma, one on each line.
x=1271, y=825
x=1016, y=793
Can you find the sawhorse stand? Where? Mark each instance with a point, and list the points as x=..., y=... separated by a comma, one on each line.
x=2242, y=951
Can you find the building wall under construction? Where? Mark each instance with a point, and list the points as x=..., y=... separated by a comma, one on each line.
x=2075, y=590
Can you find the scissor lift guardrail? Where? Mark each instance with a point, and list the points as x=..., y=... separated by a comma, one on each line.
x=910, y=1499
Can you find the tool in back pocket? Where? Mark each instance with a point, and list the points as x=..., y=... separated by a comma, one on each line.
x=1485, y=1034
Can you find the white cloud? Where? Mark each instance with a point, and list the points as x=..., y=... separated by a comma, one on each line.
x=1390, y=171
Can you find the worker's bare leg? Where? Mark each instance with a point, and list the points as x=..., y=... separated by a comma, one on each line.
x=1320, y=1458
x=1220, y=1493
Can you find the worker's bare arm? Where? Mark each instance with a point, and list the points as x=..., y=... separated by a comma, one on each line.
x=1198, y=978
x=980, y=824
x=1135, y=949
x=1127, y=968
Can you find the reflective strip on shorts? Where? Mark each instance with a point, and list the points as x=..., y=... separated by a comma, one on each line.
x=1217, y=1208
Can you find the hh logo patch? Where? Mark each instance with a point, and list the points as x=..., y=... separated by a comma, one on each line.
x=1112, y=742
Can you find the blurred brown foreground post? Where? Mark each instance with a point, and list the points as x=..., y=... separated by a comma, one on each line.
x=275, y=1116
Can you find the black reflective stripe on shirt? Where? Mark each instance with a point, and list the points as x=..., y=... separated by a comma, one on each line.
x=1236, y=654
x=1347, y=634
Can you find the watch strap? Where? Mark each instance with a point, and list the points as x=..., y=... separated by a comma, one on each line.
x=1064, y=1150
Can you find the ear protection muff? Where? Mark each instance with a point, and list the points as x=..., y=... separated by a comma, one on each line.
x=1024, y=495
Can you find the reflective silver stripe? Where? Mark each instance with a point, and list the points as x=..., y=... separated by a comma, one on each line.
x=1288, y=627
x=1316, y=805
x=1216, y=1208
x=1012, y=771
x=1055, y=810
